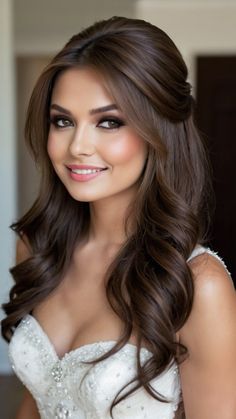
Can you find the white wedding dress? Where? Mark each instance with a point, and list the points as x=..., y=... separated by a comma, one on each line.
x=67, y=388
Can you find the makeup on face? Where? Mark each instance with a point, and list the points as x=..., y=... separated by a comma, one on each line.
x=92, y=149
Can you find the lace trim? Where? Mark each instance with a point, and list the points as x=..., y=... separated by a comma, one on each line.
x=199, y=250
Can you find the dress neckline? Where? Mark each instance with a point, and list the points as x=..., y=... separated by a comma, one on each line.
x=105, y=343
x=82, y=348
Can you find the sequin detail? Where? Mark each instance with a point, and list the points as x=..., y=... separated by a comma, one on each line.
x=61, y=412
x=70, y=388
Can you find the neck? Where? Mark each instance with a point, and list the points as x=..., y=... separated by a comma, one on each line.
x=107, y=220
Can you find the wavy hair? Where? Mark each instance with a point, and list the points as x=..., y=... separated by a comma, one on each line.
x=149, y=284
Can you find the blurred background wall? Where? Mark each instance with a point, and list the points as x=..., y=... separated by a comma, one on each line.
x=31, y=31
x=8, y=158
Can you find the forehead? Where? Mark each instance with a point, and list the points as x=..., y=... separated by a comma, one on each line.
x=82, y=84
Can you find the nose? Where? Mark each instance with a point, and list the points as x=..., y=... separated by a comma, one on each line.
x=82, y=143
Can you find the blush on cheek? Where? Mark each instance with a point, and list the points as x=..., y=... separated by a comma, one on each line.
x=52, y=149
x=123, y=151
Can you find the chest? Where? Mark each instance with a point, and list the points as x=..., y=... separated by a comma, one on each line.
x=78, y=312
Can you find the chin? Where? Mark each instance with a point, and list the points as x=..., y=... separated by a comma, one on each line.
x=86, y=197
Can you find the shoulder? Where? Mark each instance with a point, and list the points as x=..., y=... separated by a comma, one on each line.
x=208, y=374
x=212, y=282
x=214, y=297
x=211, y=278
x=23, y=249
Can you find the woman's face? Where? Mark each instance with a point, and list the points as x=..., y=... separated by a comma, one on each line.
x=93, y=151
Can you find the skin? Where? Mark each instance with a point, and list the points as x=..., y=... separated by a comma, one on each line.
x=208, y=374
x=88, y=137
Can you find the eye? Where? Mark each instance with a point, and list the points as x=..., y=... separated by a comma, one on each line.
x=110, y=123
x=60, y=121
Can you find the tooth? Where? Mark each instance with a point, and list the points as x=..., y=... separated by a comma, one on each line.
x=85, y=171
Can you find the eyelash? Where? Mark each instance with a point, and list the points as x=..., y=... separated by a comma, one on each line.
x=54, y=120
x=117, y=121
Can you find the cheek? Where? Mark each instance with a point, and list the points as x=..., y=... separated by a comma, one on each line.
x=122, y=151
x=53, y=148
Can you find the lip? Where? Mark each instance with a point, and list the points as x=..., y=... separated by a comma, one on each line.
x=84, y=166
x=84, y=177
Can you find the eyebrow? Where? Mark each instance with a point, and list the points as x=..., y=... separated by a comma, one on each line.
x=92, y=111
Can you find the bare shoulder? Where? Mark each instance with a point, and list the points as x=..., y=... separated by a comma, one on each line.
x=210, y=278
x=23, y=250
x=214, y=295
x=208, y=375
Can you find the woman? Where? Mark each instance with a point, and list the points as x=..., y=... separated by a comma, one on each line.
x=117, y=308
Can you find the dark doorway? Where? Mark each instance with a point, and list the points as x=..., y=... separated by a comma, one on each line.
x=216, y=114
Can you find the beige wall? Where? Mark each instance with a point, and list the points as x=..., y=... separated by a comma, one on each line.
x=27, y=70
x=43, y=26
x=197, y=27
x=7, y=160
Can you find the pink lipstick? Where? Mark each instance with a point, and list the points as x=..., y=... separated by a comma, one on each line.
x=84, y=173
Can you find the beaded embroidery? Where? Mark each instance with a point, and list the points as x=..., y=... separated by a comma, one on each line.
x=63, y=398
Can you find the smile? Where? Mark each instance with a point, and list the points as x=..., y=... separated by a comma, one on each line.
x=85, y=175
x=85, y=171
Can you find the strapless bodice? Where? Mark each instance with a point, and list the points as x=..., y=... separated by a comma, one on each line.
x=68, y=388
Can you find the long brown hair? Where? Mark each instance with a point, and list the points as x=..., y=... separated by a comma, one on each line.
x=149, y=284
